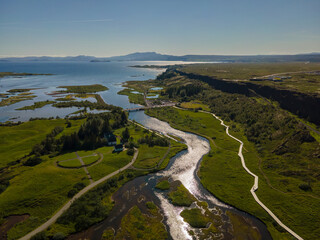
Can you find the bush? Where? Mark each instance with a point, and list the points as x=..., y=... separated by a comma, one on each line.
x=72, y=192
x=58, y=236
x=79, y=186
x=130, y=151
x=305, y=187
x=39, y=236
x=33, y=161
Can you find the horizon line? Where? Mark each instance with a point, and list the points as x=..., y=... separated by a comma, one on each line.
x=78, y=55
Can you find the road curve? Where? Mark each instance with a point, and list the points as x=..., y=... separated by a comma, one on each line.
x=79, y=194
x=256, y=179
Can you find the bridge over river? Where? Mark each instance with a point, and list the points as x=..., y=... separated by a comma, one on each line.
x=149, y=107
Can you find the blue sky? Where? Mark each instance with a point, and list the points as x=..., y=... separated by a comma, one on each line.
x=178, y=27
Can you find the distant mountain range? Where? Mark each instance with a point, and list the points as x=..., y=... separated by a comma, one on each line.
x=153, y=56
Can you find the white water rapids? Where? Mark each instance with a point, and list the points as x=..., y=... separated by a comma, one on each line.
x=183, y=169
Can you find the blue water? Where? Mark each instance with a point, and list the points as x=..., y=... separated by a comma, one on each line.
x=110, y=74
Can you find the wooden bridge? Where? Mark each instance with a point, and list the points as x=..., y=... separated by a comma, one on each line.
x=142, y=108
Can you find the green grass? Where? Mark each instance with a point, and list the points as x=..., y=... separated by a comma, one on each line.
x=195, y=218
x=149, y=157
x=110, y=163
x=136, y=225
x=163, y=185
x=17, y=141
x=195, y=105
x=85, y=88
x=90, y=159
x=181, y=196
x=36, y=105
x=70, y=163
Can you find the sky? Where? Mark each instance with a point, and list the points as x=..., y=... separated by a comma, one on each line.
x=105, y=28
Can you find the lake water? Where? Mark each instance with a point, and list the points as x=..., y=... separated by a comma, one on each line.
x=110, y=74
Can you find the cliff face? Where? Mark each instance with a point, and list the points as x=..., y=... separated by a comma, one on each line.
x=304, y=105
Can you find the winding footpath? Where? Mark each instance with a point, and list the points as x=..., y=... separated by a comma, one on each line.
x=79, y=194
x=256, y=179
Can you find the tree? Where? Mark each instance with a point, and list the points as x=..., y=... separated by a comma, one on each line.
x=125, y=135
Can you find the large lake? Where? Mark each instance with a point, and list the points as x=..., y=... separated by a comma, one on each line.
x=110, y=74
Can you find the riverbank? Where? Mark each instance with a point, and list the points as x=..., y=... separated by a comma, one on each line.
x=223, y=158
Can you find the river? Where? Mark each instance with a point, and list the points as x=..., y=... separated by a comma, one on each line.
x=182, y=167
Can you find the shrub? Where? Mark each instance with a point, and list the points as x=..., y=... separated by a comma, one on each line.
x=39, y=236
x=33, y=161
x=305, y=187
x=130, y=151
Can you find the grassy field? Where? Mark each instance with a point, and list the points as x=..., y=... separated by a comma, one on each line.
x=303, y=79
x=38, y=191
x=295, y=208
x=19, y=140
x=46, y=187
x=90, y=159
x=70, y=163
x=110, y=163
x=149, y=157
x=195, y=105
x=36, y=105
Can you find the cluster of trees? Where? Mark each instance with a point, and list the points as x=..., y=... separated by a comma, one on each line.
x=184, y=91
x=153, y=140
x=86, y=103
x=90, y=135
x=49, y=144
x=76, y=188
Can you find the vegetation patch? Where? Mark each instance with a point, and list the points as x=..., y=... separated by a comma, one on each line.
x=14, y=99
x=36, y=105
x=195, y=218
x=72, y=163
x=133, y=97
x=163, y=185
x=180, y=196
x=13, y=74
x=136, y=225
x=196, y=105
x=84, y=88
x=90, y=159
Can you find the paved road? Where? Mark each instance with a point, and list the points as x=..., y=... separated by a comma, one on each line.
x=79, y=194
x=256, y=179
